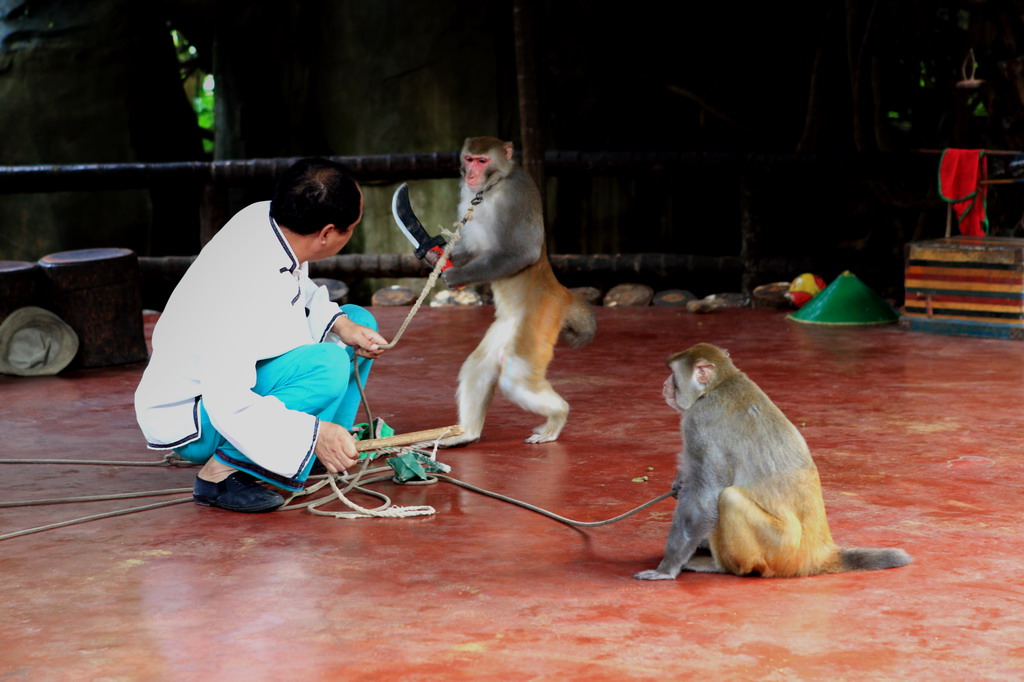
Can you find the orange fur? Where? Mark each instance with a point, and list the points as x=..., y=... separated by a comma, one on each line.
x=776, y=530
x=530, y=310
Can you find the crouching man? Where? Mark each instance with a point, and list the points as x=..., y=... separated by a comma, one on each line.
x=251, y=373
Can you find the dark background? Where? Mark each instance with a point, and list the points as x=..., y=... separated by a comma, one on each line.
x=807, y=130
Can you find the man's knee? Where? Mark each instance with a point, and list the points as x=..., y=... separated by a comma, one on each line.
x=331, y=362
x=360, y=315
x=321, y=368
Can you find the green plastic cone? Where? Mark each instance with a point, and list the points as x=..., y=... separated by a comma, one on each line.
x=846, y=301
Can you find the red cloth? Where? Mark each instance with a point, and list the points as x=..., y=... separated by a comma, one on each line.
x=960, y=174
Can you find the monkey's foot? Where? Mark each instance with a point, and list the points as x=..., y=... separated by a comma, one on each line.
x=458, y=441
x=654, y=575
x=547, y=432
x=541, y=438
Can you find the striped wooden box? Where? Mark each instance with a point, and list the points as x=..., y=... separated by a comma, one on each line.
x=968, y=286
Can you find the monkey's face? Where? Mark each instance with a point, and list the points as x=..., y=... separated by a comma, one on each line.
x=683, y=387
x=476, y=170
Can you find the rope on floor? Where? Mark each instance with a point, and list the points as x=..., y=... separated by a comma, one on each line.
x=340, y=485
x=95, y=498
x=94, y=517
x=357, y=482
x=170, y=459
x=385, y=510
x=552, y=515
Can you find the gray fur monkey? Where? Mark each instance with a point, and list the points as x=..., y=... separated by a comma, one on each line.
x=746, y=484
x=504, y=244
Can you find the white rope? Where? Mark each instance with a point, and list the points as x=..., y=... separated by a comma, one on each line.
x=453, y=239
x=357, y=482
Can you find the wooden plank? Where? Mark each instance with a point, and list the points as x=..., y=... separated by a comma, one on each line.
x=1012, y=277
x=963, y=328
x=410, y=438
x=922, y=313
x=958, y=250
x=941, y=285
x=946, y=254
x=981, y=298
x=961, y=306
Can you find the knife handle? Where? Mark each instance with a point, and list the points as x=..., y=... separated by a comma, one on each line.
x=439, y=253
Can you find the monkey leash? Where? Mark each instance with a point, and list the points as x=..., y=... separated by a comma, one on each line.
x=552, y=515
x=408, y=442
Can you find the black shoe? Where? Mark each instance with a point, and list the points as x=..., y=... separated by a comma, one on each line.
x=238, y=492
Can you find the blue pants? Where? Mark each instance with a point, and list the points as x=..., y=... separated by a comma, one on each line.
x=316, y=379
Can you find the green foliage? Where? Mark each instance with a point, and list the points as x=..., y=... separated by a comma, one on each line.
x=199, y=87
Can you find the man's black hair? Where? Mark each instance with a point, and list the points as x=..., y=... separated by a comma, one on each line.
x=315, y=192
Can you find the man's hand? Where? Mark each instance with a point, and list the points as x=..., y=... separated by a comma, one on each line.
x=335, y=447
x=365, y=341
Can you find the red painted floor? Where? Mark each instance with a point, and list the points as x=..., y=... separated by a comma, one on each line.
x=919, y=440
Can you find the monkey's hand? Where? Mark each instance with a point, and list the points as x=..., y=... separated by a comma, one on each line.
x=431, y=257
x=654, y=575
x=451, y=278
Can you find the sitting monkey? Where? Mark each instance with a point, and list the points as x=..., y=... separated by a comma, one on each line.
x=746, y=484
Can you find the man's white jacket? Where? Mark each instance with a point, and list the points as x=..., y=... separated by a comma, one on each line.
x=245, y=298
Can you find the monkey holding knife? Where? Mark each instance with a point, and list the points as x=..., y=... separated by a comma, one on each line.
x=746, y=484
x=504, y=243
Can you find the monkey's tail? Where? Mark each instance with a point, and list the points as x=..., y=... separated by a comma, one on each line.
x=864, y=559
x=580, y=324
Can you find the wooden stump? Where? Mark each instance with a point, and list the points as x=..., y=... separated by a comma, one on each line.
x=459, y=297
x=337, y=290
x=673, y=297
x=98, y=293
x=629, y=295
x=394, y=296
x=20, y=286
x=591, y=295
x=772, y=296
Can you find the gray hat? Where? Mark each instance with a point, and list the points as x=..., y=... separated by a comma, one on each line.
x=35, y=342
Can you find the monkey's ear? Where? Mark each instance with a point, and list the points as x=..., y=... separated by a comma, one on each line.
x=508, y=151
x=703, y=371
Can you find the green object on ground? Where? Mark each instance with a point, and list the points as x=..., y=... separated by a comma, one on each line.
x=846, y=301
x=407, y=468
x=415, y=465
x=377, y=429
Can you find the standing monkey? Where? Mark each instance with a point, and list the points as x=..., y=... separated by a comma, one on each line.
x=746, y=482
x=503, y=244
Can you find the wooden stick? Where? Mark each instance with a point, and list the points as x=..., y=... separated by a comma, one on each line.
x=407, y=438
